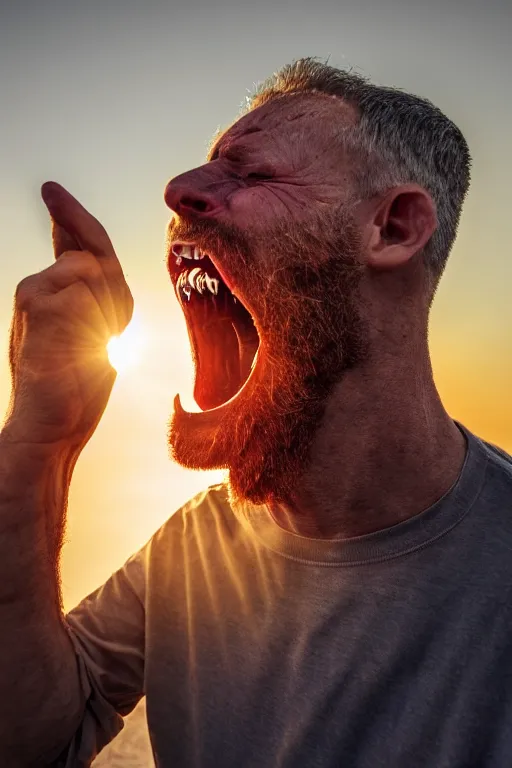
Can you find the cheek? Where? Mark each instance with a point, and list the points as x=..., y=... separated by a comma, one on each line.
x=265, y=205
x=252, y=207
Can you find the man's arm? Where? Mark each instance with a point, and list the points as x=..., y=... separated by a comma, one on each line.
x=41, y=701
x=61, y=383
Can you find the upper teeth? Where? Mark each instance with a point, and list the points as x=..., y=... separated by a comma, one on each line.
x=186, y=251
x=194, y=279
x=199, y=280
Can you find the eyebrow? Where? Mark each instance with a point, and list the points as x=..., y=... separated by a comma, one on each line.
x=214, y=151
x=237, y=149
x=218, y=141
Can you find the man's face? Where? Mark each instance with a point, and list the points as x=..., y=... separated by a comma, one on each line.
x=271, y=298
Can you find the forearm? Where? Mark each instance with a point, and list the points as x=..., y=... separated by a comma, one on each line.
x=40, y=698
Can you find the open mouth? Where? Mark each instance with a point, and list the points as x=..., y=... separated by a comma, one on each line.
x=222, y=333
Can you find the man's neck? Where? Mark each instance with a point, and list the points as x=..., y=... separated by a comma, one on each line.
x=386, y=451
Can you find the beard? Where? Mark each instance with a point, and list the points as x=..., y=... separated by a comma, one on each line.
x=303, y=281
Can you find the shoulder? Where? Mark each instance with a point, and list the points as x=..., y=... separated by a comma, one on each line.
x=499, y=470
x=195, y=540
x=491, y=511
x=207, y=505
x=208, y=512
x=213, y=497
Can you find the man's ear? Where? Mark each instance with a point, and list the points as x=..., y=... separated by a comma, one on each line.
x=402, y=224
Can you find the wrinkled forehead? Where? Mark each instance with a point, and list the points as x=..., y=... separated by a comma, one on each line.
x=291, y=114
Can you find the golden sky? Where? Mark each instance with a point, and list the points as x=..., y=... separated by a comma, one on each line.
x=112, y=103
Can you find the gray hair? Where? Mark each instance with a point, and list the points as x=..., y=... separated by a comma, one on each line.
x=398, y=138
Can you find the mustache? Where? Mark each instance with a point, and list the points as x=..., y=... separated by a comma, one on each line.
x=210, y=236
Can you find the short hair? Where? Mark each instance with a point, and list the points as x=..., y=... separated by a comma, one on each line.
x=398, y=138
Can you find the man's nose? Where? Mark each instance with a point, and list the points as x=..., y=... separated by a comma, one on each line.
x=186, y=195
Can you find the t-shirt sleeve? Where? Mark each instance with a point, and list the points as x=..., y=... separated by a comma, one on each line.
x=107, y=630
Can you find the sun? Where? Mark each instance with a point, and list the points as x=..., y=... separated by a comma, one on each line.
x=125, y=351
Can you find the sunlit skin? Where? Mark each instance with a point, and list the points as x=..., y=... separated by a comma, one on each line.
x=365, y=441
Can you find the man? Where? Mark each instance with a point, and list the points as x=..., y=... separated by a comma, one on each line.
x=345, y=597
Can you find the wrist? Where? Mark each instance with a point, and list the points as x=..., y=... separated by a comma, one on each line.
x=28, y=462
x=20, y=432
x=34, y=485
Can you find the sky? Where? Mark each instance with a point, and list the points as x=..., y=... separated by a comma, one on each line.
x=111, y=99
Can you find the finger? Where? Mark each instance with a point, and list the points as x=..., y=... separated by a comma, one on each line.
x=62, y=240
x=77, y=221
x=90, y=235
x=71, y=268
x=82, y=266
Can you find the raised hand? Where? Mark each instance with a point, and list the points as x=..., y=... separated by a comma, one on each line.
x=63, y=319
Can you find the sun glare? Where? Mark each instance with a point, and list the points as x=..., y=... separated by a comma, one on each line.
x=125, y=351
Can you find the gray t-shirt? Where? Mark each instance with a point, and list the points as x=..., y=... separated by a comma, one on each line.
x=257, y=647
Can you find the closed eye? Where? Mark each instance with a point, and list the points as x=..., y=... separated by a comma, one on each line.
x=258, y=176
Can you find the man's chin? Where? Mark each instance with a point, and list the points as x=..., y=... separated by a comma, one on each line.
x=262, y=439
x=195, y=438
x=195, y=445
x=229, y=437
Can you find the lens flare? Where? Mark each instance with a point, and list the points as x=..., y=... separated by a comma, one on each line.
x=126, y=350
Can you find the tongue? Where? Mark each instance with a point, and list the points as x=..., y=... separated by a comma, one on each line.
x=217, y=363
